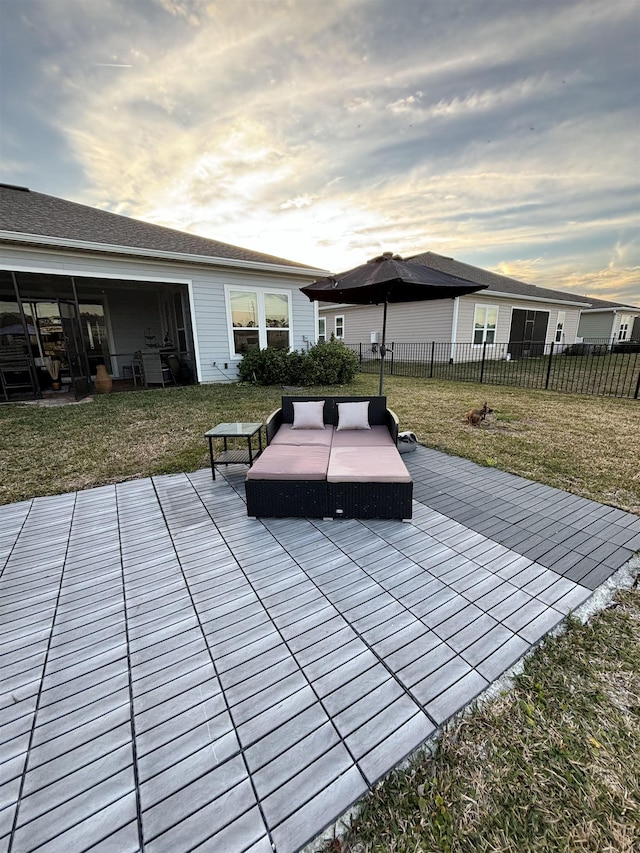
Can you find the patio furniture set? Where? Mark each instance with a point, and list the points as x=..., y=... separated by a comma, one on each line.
x=326, y=457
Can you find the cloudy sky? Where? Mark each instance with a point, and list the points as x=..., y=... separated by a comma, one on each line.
x=504, y=133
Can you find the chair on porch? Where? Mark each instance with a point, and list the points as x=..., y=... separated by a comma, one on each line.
x=156, y=372
x=137, y=369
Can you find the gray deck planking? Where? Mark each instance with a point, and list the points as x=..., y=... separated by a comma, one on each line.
x=176, y=675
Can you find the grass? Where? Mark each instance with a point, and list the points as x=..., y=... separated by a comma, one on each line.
x=552, y=765
x=589, y=446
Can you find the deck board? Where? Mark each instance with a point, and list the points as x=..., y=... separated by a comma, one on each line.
x=175, y=673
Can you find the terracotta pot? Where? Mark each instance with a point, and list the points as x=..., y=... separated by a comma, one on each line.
x=103, y=383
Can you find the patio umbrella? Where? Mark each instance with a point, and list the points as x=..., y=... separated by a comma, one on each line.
x=388, y=278
x=17, y=329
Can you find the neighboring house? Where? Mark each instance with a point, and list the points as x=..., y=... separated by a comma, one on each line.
x=609, y=322
x=512, y=317
x=90, y=286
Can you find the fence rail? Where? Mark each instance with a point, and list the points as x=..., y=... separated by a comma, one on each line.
x=600, y=368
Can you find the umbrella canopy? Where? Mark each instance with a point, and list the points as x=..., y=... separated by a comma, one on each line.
x=17, y=329
x=388, y=278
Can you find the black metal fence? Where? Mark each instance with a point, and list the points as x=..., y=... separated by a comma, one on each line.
x=600, y=368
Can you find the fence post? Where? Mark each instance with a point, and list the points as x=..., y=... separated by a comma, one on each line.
x=637, y=394
x=484, y=352
x=392, y=349
x=360, y=354
x=546, y=384
x=433, y=349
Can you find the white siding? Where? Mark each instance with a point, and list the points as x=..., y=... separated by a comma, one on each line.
x=206, y=288
x=605, y=325
x=423, y=322
x=596, y=327
x=409, y=323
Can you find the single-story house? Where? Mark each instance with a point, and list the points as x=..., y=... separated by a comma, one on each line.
x=609, y=322
x=83, y=286
x=511, y=317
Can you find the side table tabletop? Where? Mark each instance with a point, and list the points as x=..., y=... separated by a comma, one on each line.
x=227, y=456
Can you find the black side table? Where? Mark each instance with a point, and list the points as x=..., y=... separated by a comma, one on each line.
x=235, y=430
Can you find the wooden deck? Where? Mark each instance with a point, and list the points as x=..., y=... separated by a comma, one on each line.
x=177, y=676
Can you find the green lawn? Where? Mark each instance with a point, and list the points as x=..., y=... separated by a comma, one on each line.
x=587, y=445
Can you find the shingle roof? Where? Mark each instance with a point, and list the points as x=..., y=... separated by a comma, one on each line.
x=603, y=303
x=25, y=212
x=494, y=282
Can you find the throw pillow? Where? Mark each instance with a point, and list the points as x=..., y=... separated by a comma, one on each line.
x=308, y=415
x=353, y=415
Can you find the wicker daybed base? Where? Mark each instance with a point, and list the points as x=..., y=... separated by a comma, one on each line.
x=369, y=500
x=287, y=498
x=313, y=498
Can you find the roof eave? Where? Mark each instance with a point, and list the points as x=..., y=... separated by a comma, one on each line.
x=155, y=254
x=332, y=306
x=484, y=294
x=525, y=298
x=622, y=309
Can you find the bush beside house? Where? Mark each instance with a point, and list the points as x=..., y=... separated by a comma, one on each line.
x=327, y=363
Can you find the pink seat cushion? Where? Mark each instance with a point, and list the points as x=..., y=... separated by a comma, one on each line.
x=377, y=436
x=312, y=437
x=367, y=465
x=288, y=462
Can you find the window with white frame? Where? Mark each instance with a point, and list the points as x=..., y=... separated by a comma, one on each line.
x=339, y=327
x=623, y=328
x=562, y=316
x=259, y=319
x=322, y=329
x=485, y=321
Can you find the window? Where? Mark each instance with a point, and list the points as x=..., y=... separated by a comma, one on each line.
x=276, y=311
x=484, y=324
x=623, y=329
x=339, y=327
x=259, y=319
x=560, y=326
x=322, y=329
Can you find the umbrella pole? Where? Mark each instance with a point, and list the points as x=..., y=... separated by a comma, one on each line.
x=383, y=348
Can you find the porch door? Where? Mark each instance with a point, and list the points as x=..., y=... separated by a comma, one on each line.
x=528, y=333
x=76, y=355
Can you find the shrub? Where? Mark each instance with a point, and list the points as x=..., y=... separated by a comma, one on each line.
x=335, y=363
x=329, y=363
x=268, y=366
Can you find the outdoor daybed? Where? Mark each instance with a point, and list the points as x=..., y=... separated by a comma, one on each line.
x=330, y=457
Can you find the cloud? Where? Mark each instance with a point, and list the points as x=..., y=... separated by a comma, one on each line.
x=301, y=201
x=501, y=133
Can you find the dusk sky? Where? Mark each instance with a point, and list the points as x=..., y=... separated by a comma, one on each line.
x=504, y=133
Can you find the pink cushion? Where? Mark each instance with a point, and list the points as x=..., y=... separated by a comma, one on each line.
x=317, y=437
x=377, y=436
x=367, y=465
x=287, y=462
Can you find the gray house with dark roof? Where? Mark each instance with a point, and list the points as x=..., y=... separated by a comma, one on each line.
x=510, y=318
x=84, y=286
x=611, y=322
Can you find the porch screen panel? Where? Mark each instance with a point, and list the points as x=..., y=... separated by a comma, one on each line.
x=94, y=334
